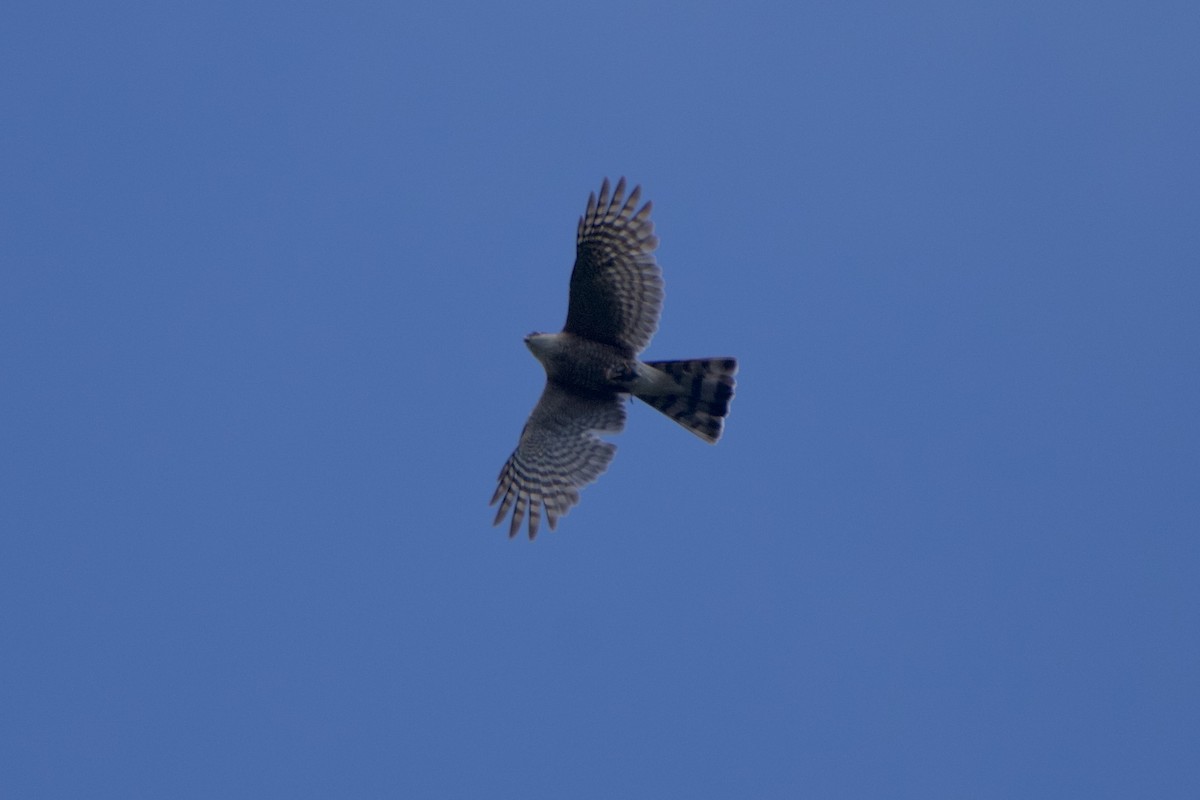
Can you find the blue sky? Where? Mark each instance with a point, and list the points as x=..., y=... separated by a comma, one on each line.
x=264, y=274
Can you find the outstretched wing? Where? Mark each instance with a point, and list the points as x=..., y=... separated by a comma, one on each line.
x=558, y=454
x=616, y=286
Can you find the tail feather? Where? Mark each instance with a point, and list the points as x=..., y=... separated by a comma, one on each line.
x=697, y=396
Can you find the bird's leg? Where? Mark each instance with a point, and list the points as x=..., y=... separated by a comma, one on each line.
x=622, y=374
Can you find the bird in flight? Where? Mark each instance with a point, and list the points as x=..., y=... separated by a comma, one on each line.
x=592, y=367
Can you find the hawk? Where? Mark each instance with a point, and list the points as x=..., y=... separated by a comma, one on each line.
x=592, y=367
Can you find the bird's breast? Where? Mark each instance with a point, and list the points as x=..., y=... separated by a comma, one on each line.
x=584, y=364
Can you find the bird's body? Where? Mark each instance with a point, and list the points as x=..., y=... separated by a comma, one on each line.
x=581, y=363
x=592, y=367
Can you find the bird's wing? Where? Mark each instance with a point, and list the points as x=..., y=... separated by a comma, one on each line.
x=616, y=286
x=558, y=454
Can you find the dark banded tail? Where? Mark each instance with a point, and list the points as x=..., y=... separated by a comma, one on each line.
x=700, y=397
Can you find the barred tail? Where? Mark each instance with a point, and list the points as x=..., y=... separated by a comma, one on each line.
x=696, y=394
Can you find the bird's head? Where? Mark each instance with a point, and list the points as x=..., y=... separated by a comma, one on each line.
x=542, y=344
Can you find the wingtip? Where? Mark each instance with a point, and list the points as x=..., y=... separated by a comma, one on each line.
x=603, y=199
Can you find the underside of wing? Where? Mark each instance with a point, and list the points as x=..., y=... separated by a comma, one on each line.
x=616, y=285
x=559, y=453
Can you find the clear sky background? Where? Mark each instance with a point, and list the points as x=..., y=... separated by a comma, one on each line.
x=264, y=274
